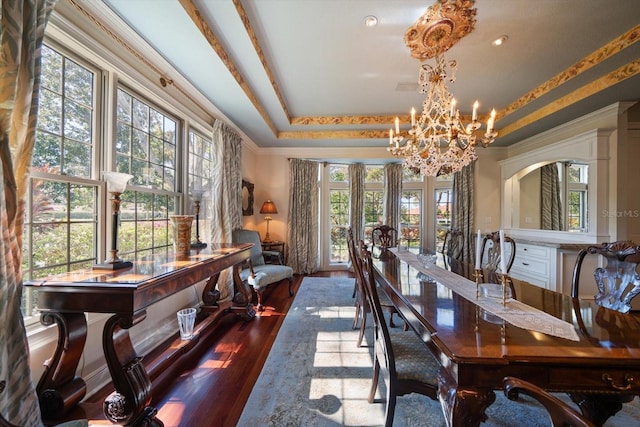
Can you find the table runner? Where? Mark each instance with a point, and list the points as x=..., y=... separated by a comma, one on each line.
x=514, y=312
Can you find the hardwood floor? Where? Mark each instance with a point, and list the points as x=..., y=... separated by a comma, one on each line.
x=213, y=389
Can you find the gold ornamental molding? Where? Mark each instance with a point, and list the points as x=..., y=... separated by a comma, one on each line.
x=607, y=51
x=626, y=71
x=440, y=27
x=335, y=134
x=208, y=34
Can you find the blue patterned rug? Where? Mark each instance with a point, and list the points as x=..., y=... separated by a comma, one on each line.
x=316, y=376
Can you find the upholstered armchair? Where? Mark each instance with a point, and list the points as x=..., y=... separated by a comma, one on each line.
x=257, y=273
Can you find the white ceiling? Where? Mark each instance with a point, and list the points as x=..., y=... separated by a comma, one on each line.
x=325, y=62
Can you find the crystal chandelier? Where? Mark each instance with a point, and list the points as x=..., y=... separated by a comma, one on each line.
x=438, y=142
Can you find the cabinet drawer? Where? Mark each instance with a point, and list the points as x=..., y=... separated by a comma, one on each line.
x=532, y=266
x=534, y=279
x=527, y=251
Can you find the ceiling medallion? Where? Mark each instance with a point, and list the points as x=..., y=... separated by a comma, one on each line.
x=440, y=27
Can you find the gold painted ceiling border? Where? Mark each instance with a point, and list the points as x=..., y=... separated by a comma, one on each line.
x=607, y=51
x=263, y=59
x=335, y=134
x=162, y=77
x=626, y=71
x=213, y=41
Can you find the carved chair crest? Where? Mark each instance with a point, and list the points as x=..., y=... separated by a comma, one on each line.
x=618, y=281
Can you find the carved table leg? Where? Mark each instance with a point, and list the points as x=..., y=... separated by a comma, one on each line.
x=242, y=295
x=463, y=407
x=599, y=407
x=59, y=389
x=128, y=405
x=210, y=295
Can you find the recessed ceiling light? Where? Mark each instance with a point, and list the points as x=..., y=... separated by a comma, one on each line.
x=370, y=21
x=499, y=41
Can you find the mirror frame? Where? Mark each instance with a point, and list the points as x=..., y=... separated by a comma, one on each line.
x=249, y=186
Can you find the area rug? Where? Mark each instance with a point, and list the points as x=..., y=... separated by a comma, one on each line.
x=316, y=376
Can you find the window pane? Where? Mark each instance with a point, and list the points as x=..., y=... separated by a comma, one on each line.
x=146, y=140
x=339, y=216
x=373, y=211
x=411, y=218
x=374, y=174
x=338, y=173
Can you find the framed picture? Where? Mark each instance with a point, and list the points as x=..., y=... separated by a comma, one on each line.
x=247, y=198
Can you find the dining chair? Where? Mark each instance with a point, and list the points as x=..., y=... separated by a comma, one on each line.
x=402, y=357
x=560, y=414
x=257, y=273
x=362, y=305
x=452, y=245
x=618, y=282
x=490, y=251
x=384, y=236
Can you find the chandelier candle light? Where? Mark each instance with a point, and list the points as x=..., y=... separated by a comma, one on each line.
x=268, y=208
x=438, y=142
x=116, y=184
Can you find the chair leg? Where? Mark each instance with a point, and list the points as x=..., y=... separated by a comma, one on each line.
x=259, y=292
x=391, y=407
x=355, y=288
x=391, y=320
x=357, y=316
x=374, y=380
x=362, y=328
x=290, y=286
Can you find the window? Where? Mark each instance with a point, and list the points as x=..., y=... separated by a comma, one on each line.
x=411, y=219
x=576, y=210
x=146, y=148
x=338, y=213
x=61, y=225
x=443, y=208
x=200, y=164
x=373, y=199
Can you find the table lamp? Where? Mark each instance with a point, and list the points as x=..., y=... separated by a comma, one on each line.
x=196, y=195
x=268, y=208
x=116, y=184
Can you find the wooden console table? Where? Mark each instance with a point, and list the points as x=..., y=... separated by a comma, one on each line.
x=127, y=293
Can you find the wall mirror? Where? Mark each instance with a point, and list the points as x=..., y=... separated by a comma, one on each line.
x=247, y=198
x=554, y=196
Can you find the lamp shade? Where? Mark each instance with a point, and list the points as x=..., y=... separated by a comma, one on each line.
x=268, y=207
x=116, y=181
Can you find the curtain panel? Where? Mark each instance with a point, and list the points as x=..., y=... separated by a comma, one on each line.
x=357, y=172
x=463, y=209
x=22, y=26
x=302, y=253
x=392, y=194
x=550, y=204
x=226, y=194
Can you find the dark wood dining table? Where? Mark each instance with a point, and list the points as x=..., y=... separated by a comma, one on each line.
x=476, y=350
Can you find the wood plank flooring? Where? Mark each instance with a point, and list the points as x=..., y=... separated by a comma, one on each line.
x=214, y=389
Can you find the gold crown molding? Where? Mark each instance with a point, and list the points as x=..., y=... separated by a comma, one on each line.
x=163, y=79
x=626, y=71
x=208, y=34
x=343, y=120
x=335, y=134
x=607, y=51
x=440, y=27
x=256, y=45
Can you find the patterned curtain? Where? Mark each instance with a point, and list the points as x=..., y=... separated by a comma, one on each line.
x=551, y=206
x=462, y=215
x=22, y=26
x=302, y=254
x=226, y=194
x=392, y=194
x=357, y=173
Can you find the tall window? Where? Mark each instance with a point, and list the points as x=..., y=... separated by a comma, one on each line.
x=576, y=178
x=373, y=199
x=443, y=201
x=411, y=210
x=60, y=231
x=145, y=148
x=200, y=163
x=338, y=213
